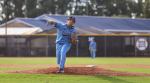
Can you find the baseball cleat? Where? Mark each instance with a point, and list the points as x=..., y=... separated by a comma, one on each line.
x=60, y=71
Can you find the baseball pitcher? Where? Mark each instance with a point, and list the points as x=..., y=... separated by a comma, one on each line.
x=66, y=35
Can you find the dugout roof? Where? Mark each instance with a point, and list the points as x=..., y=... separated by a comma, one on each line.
x=105, y=24
x=19, y=31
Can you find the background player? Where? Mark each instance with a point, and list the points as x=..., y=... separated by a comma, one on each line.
x=64, y=40
x=92, y=48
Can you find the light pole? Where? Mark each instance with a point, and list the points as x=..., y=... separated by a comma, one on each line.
x=87, y=8
x=6, y=28
x=6, y=20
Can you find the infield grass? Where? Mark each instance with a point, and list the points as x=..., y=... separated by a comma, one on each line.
x=37, y=78
x=77, y=60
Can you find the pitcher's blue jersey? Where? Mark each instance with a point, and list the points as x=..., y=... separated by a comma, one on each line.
x=93, y=45
x=64, y=33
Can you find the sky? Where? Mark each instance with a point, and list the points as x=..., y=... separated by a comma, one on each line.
x=137, y=1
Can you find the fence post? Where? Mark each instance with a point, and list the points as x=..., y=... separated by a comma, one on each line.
x=148, y=45
x=30, y=45
x=47, y=46
x=18, y=46
x=105, y=45
x=135, y=45
x=77, y=49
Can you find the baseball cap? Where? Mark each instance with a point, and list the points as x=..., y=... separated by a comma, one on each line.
x=73, y=18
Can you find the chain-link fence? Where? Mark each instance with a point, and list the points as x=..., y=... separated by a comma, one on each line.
x=45, y=46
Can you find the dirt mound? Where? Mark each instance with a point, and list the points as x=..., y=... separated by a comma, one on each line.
x=78, y=71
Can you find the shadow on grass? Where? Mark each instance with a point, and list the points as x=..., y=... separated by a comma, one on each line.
x=112, y=79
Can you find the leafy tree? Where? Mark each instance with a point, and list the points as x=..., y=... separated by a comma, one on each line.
x=139, y=8
x=122, y=7
x=79, y=9
x=105, y=7
x=31, y=9
x=48, y=6
x=9, y=10
x=146, y=9
x=62, y=6
x=55, y=6
x=108, y=8
x=18, y=12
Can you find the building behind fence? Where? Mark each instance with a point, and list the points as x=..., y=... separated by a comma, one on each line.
x=44, y=46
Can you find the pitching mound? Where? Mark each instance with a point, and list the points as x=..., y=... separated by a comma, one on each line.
x=78, y=71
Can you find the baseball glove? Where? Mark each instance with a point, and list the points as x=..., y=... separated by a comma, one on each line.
x=73, y=37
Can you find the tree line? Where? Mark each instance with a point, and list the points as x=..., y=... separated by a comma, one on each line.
x=109, y=8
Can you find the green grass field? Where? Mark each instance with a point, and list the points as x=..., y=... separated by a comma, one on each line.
x=75, y=60
x=47, y=78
